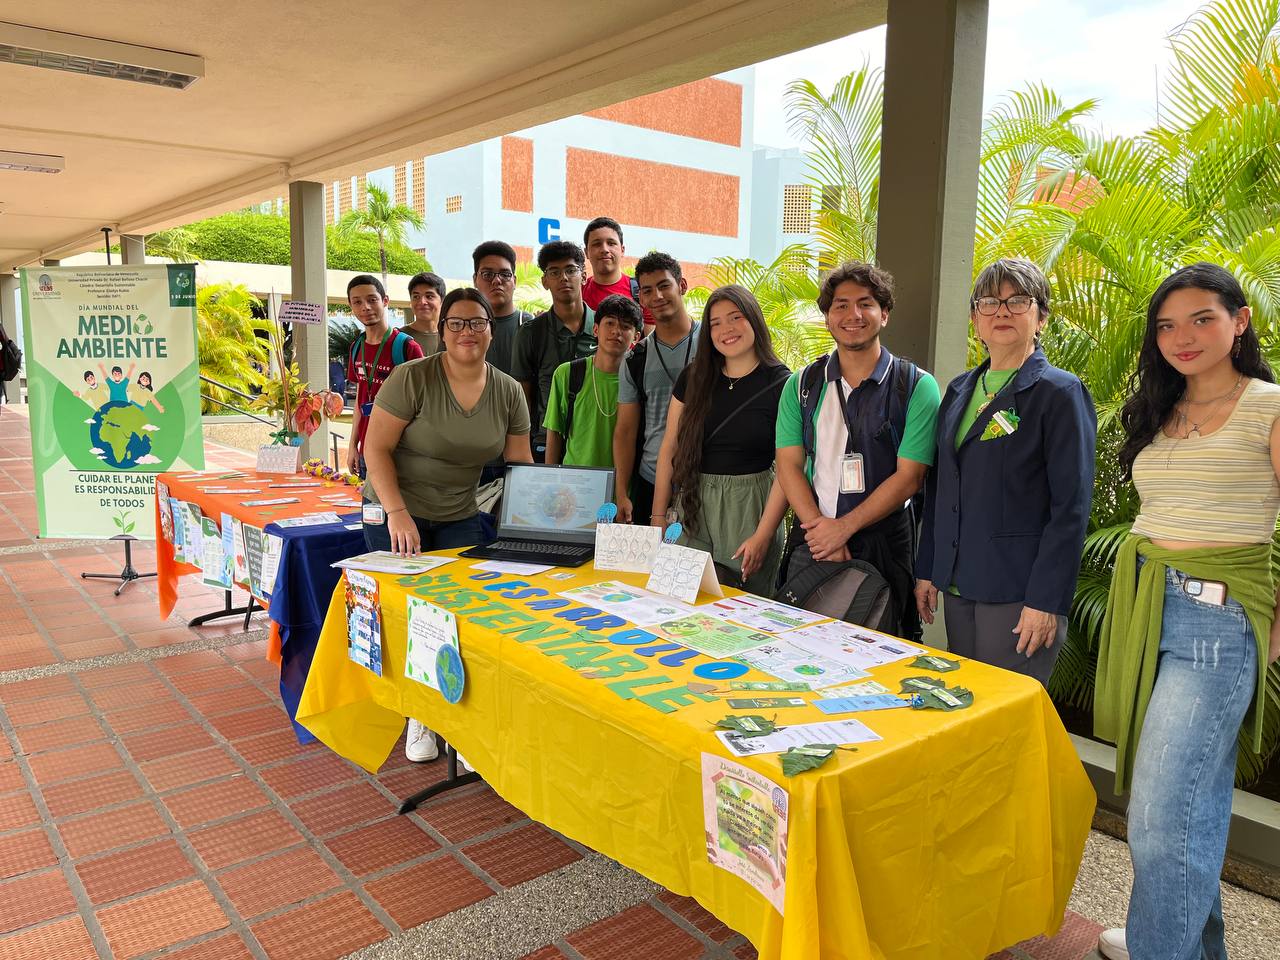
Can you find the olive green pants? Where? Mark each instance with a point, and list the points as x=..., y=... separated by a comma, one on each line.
x=731, y=511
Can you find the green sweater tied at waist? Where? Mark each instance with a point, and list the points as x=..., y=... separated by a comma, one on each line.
x=1129, y=652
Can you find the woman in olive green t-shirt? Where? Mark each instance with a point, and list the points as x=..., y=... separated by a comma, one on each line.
x=436, y=422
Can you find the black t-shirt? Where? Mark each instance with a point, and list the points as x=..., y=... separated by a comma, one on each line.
x=746, y=444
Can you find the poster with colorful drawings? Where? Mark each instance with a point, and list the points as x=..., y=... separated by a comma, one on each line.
x=745, y=816
x=114, y=392
x=364, y=621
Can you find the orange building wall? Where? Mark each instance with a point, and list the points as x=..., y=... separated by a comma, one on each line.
x=649, y=194
x=709, y=109
x=517, y=174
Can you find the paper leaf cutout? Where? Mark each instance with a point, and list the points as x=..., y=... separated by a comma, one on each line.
x=943, y=698
x=809, y=757
x=936, y=664
x=701, y=687
x=751, y=725
x=920, y=684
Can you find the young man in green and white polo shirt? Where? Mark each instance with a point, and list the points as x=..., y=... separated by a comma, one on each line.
x=856, y=436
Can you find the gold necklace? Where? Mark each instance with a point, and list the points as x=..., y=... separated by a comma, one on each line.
x=733, y=381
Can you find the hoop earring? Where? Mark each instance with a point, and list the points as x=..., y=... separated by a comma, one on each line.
x=1235, y=348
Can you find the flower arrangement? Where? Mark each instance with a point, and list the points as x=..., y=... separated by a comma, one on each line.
x=300, y=410
x=318, y=468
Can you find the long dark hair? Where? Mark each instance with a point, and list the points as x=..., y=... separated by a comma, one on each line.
x=150, y=384
x=700, y=383
x=1155, y=387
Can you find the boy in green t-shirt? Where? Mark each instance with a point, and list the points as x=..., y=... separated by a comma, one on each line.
x=583, y=436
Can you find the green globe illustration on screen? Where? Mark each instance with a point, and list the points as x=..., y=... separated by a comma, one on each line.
x=450, y=676
x=119, y=435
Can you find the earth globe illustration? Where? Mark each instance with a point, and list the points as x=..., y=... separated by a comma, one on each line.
x=118, y=431
x=450, y=676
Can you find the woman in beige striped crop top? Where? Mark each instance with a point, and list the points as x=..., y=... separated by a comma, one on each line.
x=1190, y=626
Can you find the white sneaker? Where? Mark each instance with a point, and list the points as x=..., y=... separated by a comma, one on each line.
x=1111, y=944
x=466, y=766
x=420, y=743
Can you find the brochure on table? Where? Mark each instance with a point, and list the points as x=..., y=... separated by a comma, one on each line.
x=799, y=735
x=384, y=561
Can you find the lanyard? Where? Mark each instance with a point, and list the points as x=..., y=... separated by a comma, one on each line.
x=377, y=359
x=849, y=423
x=688, y=351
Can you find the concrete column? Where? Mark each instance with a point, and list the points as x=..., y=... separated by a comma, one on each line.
x=133, y=249
x=307, y=260
x=934, y=59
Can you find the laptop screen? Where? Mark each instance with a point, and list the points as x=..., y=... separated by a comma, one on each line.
x=556, y=503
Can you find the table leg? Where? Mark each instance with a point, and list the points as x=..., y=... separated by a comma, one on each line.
x=450, y=782
x=226, y=611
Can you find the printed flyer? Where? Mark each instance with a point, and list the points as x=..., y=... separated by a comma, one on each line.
x=364, y=621
x=114, y=392
x=745, y=815
x=430, y=628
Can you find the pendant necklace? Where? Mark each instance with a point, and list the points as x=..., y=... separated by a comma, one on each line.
x=1193, y=428
x=733, y=381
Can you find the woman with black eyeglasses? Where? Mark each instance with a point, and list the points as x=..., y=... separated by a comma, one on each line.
x=1007, y=502
x=436, y=422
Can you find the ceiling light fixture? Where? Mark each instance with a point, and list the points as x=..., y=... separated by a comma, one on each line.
x=54, y=50
x=32, y=162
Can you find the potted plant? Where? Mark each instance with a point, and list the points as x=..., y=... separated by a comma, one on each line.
x=300, y=409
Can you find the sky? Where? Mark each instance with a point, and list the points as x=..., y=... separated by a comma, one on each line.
x=1110, y=50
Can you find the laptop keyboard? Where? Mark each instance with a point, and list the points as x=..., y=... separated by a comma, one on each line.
x=531, y=546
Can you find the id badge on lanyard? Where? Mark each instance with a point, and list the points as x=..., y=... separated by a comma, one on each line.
x=853, y=475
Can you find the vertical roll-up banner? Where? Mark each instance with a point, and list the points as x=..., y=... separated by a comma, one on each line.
x=113, y=384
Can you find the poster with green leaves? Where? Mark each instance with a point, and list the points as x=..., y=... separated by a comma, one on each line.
x=114, y=391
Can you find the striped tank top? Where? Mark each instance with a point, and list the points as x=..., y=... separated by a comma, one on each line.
x=1218, y=488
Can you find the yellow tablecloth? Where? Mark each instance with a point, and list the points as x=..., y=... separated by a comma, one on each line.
x=956, y=835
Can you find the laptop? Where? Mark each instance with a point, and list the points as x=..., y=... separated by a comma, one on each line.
x=548, y=514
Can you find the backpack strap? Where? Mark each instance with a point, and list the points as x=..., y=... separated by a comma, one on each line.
x=356, y=347
x=635, y=362
x=399, y=344
x=810, y=387
x=577, y=377
x=905, y=377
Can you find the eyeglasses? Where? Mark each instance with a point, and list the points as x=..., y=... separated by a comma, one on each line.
x=990, y=306
x=568, y=273
x=488, y=276
x=458, y=324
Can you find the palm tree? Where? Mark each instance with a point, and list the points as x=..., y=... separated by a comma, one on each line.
x=382, y=218
x=176, y=243
x=228, y=342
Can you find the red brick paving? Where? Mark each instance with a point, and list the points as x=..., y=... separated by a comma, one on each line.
x=132, y=871
x=640, y=933
x=429, y=890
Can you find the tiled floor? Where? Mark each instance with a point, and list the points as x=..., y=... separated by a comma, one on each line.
x=163, y=807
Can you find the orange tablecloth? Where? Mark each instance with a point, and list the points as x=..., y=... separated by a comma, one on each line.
x=187, y=486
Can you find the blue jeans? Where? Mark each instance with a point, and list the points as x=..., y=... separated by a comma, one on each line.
x=435, y=534
x=1184, y=770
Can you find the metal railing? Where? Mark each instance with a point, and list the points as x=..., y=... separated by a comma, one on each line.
x=232, y=406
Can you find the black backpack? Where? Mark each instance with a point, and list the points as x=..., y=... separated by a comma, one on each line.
x=10, y=357
x=848, y=590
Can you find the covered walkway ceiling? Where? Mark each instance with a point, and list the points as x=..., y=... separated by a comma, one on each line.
x=314, y=91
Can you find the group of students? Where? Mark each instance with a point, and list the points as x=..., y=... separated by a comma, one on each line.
x=980, y=496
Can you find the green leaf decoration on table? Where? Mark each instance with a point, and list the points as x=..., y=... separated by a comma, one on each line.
x=752, y=725
x=809, y=757
x=920, y=684
x=701, y=687
x=936, y=664
x=943, y=698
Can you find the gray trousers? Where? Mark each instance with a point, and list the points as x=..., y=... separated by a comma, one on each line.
x=984, y=631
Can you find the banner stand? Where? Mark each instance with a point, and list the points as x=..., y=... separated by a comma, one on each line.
x=128, y=574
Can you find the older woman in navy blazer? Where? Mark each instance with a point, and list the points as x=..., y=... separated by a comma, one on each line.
x=1007, y=502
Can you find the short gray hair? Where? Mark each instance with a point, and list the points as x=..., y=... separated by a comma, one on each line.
x=1023, y=275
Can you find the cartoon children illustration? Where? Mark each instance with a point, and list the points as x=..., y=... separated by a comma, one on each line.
x=118, y=383
x=141, y=393
x=94, y=393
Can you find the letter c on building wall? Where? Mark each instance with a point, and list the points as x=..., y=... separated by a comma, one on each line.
x=548, y=229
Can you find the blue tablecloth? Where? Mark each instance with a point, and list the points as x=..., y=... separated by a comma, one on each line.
x=304, y=585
